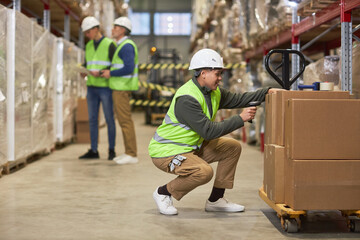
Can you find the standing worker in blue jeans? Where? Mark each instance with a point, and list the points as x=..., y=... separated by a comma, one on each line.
x=123, y=78
x=98, y=54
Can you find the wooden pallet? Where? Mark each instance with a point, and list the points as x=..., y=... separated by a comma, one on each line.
x=13, y=166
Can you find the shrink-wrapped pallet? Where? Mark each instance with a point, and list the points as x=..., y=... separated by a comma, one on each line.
x=41, y=137
x=66, y=90
x=3, y=89
x=23, y=86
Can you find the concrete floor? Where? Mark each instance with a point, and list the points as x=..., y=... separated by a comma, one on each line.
x=62, y=197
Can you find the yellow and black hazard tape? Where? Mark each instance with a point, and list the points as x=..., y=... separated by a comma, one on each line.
x=156, y=87
x=149, y=103
x=182, y=66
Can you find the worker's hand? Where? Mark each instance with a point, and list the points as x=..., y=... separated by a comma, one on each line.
x=274, y=90
x=105, y=73
x=248, y=114
x=83, y=75
x=95, y=73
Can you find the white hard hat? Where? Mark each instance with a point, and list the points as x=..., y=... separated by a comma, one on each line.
x=123, y=22
x=206, y=58
x=89, y=23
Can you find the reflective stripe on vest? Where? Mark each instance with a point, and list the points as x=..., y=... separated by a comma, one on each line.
x=127, y=82
x=97, y=60
x=173, y=137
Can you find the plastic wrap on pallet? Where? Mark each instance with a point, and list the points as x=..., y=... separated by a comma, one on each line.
x=324, y=70
x=52, y=73
x=41, y=140
x=3, y=89
x=23, y=85
x=69, y=92
x=356, y=70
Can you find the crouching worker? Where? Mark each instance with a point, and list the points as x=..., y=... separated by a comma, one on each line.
x=188, y=139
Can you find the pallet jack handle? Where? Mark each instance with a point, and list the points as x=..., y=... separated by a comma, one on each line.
x=285, y=82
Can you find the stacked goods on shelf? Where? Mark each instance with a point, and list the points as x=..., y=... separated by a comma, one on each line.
x=325, y=69
x=3, y=89
x=267, y=19
x=311, y=159
x=310, y=7
x=104, y=11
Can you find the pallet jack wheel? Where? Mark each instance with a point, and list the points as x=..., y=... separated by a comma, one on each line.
x=290, y=225
x=354, y=225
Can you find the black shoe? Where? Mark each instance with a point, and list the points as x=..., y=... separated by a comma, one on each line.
x=111, y=154
x=90, y=155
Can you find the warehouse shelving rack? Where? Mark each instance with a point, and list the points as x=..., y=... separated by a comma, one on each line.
x=342, y=9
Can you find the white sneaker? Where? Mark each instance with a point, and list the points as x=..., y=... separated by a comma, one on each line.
x=119, y=157
x=126, y=160
x=223, y=205
x=164, y=203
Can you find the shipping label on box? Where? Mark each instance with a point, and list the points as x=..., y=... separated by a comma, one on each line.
x=323, y=129
x=322, y=184
x=283, y=96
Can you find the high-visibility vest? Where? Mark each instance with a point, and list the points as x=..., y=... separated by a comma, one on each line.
x=172, y=137
x=128, y=82
x=98, y=60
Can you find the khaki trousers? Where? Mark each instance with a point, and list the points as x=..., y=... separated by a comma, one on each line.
x=195, y=169
x=123, y=113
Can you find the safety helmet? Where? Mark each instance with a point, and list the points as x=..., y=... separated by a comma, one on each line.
x=206, y=58
x=89, y=23
x=123, y=22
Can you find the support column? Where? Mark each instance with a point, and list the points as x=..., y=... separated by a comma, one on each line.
x=295, y=45
x=81, y=42
x=67, y=25
x=17, y=5
x=46, y=20
x=346, y=49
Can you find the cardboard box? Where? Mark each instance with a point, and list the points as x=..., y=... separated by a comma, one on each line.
x=83, y=137
x=322, y=129
x=282, y=98
x=274, y=172
x=270, y=119
x=322, y=184
x=83, y=132
x=82, y=110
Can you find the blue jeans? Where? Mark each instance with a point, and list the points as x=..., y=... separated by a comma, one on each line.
x=95, y=95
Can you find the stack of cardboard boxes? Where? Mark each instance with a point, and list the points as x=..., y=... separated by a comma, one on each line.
x=312, y=150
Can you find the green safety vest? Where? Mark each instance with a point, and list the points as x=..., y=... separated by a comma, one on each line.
x=98, y=60
x=172, y=137
x=127, y=82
